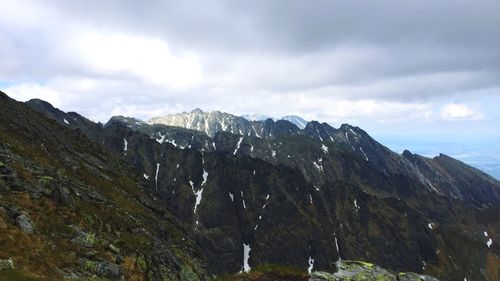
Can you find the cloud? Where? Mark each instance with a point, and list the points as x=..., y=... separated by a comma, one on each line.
x=454, y=111
x=148, y=59
x=24, y=92
x=336, y=61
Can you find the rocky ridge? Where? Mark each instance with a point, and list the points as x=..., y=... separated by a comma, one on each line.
x=72, y=209
x=319, y=193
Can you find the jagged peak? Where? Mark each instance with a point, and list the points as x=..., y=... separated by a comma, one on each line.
x=317, y=125
x=407, y=152
x=124, y=120
x=40, y=102
x=197, y=110
x=346, y=126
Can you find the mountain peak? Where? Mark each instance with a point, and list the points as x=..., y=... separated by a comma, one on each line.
x=197, y=110
x=297, y=120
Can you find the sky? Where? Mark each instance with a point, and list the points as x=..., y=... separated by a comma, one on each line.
x=420, y=69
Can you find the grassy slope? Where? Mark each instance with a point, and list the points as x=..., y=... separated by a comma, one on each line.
x=104, y=200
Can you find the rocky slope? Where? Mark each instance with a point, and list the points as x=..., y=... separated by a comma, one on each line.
x=72, y=209
x=274, y=193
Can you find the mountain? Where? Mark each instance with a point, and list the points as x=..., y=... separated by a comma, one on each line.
x=72, y=209
x=212, y=122
x=266, y=192
x=296, y=120
x=256, y=117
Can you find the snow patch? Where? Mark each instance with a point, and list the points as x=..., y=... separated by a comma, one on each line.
x=146, y=176
x=66, y=121
x=317, y=164
x=246, y=256
x=173, y=143
x=253, y=128
x=429, y=225
x=489, y=243
x=125, y=145
x=243, y=200
x=156, y=176
x=366, y=157
x=485, y=234
x=161, y=138
x=319, y=135
x=232, y=196
x=205, y=177
x=238, y=145
x=273, y=153
x=325, y=149
x=337, y=246
x=356, y=205
x=311, y=265
x=199, y=195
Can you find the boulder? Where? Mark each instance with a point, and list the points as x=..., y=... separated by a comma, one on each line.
x=25, y=224
x=84, y=239
x=102, y=269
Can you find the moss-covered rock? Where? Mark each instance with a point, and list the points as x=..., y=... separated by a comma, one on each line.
x=24, y=222
x=84, y=239
x=46, y=180
x=187, y=274
x=102, y=269
x=6, y=264
x=358, y=270
x=141, y=264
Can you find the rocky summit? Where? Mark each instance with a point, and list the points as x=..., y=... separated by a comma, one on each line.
x=204, y=195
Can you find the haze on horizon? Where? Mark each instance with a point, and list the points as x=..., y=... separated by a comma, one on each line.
x=426, y=71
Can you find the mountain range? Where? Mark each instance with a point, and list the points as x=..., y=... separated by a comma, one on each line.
x=216, y=193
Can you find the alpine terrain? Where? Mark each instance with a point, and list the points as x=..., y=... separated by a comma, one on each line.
x=200, y=195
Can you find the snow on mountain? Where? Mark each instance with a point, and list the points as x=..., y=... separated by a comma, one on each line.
x=297, y=120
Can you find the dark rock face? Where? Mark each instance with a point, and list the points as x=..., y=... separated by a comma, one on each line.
x=70, y=208
x=288, y=196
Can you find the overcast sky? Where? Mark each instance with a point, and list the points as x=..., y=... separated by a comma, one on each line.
x=420, y=67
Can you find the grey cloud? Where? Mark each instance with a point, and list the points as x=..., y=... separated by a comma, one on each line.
x=401, y=52
x=301, y=25
x=414, y=38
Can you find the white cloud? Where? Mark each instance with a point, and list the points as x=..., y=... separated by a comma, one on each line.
x=149, y=59
x=457, y=111
x=27, y=91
